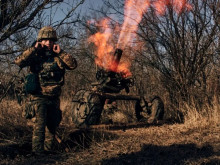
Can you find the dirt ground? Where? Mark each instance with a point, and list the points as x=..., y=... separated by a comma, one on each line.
x=153, y=144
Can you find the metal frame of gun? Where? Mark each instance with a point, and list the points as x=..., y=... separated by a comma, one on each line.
x=111, y=81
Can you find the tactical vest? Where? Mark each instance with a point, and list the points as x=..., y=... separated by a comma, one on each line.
x=51, y=74
x=46, y=76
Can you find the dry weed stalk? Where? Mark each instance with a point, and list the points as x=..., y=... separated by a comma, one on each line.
x=208, y=115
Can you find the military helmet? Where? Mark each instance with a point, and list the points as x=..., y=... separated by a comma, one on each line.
x=47, y=32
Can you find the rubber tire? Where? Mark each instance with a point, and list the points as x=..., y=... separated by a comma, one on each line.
x=152, y=113
x=88, y=110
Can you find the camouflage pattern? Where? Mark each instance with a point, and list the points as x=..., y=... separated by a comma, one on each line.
x=47, y=119
x=47, y=33
x=54, y=65
x=111, y=114
x=43, y=106
x=26, y=58
x=110, y=105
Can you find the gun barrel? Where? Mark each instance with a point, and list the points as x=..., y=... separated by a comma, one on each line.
x=117, y=58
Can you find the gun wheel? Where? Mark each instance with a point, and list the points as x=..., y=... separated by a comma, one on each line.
x=87, y=111
x=149, y=112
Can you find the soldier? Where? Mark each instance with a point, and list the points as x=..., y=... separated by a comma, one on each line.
x=47, y=63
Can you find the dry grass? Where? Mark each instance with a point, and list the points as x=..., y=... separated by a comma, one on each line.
x=208, y=116
x=196, y=141
x=11, y=120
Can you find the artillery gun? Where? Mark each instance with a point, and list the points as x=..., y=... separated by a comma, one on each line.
x=87, y=105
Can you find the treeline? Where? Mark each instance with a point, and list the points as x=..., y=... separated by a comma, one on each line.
x=178, y=56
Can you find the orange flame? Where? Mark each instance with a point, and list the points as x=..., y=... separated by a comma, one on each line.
x=133, y=11
x=178, y=5
x=105, y=50
x=104, y=47
x=160, y=6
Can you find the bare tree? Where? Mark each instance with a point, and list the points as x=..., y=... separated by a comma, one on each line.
x=181, y=46
x=20, y=21
x=17, y=17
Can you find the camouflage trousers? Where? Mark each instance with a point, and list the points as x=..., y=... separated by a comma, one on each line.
x=47, y=118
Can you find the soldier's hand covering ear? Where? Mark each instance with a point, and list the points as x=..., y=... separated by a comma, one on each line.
x=56, y=48
x=39, y=45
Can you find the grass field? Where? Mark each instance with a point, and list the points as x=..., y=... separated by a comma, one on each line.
x=196, y=141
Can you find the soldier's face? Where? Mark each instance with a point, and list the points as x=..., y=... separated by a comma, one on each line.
x=48, y=43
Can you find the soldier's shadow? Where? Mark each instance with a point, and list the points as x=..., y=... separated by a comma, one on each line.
x=76, y=139
x=84, y=138
x=174, y=154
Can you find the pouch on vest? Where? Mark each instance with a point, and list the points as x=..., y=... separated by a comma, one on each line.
x=51, y=75
x=32, y=85
x=29, y=110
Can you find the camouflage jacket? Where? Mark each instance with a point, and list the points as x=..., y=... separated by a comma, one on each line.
x=49, y=69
